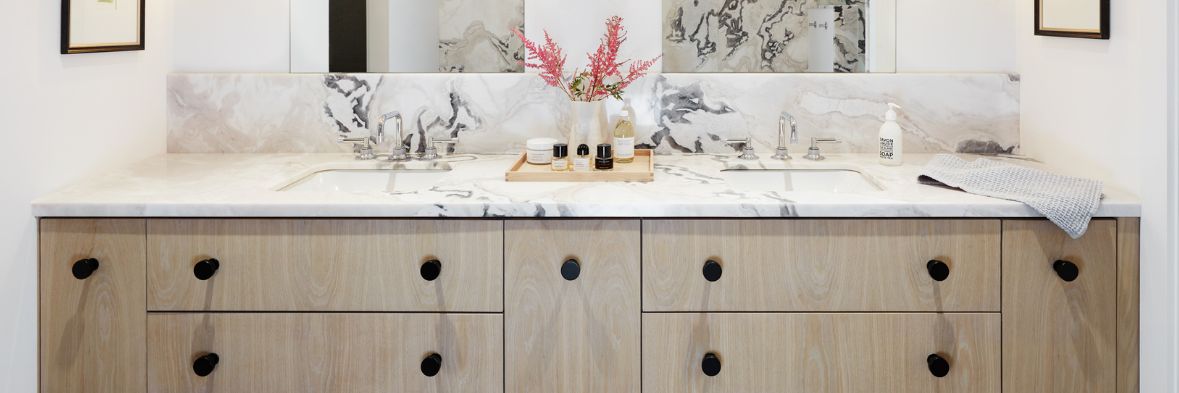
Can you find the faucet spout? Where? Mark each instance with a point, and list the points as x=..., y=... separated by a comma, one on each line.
x=783, y=152
x=399, y=152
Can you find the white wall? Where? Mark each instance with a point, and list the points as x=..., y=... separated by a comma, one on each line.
x=231, y=35
x=63, y=118
x=957, y=35
x=1099, y=109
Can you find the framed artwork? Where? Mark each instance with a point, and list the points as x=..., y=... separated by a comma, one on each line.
x=1073, y=18
x=89, y=26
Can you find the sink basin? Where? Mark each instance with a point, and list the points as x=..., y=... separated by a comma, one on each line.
x=368, y=180
x=803, y=180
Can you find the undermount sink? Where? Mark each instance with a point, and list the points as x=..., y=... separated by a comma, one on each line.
x=368, y=180
x=803, y=180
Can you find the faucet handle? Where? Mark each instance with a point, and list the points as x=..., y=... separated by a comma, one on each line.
x=747, y=152
x=813, y=152
x=431, y=151
x=362, y=147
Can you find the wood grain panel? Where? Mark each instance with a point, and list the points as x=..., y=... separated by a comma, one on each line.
x=1128, y=304
x=1059, y=336
x=326, y=265
x=821, y=265
x=572, y=336
x=817, y=353
x=323, y=352
x=92, y=330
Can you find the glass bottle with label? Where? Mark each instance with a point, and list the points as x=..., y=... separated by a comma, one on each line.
x=624, y=135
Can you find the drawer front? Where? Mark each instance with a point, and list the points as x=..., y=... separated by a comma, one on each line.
x=573, y=327
x=820, y=352
x=92, y=306
x=1059, y=335
x=821, y=265
x=323, y=352
x=326, y=265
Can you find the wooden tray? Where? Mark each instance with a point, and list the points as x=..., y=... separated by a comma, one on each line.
x=642, y=169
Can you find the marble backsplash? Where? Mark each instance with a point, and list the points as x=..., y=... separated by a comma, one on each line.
x=677, y=113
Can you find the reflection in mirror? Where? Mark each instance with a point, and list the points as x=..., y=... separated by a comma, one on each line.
x=766, y=36
x=406, y=35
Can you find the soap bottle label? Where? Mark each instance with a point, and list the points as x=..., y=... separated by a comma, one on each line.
x=887, y=149
x=624, y=148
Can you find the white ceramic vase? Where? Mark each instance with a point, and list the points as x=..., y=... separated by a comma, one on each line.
x=589, y=124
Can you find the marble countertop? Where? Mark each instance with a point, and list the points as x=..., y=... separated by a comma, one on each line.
x=247, y=185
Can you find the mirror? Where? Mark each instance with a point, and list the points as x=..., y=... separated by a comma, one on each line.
x=360, y=36
x=747, y=36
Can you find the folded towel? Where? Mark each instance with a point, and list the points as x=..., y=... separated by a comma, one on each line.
x=1068, y=202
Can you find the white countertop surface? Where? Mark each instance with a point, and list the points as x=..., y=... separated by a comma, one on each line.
x=229, y=185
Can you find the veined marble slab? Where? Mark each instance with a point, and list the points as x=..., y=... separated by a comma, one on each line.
x=476, y=35
x=229, y=185
x=677, y=113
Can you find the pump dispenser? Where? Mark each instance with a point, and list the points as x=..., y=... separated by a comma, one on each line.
x=891, y=139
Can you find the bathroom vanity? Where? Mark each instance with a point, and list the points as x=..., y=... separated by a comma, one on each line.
x=192, y=273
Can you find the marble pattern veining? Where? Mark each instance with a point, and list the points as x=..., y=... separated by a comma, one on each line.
x=676, y=113
x=245, y=185
x=476, y=35
x=764, y=36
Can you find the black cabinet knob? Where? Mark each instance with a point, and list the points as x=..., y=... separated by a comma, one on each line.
x=571, y=269
x=431, y=365
x=712, y=270
x=938, y=270
x=83, y=268
x=711, y=365
x=205, y=269
x=938, y=366
x=431, y=269
x=1067, y=271
x=204, y=365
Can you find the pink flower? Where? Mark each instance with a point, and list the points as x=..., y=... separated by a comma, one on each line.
x=603, y=79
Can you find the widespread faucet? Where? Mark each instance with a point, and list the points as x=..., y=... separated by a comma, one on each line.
x=747, y=152
x=398, y=153
x=783, y=153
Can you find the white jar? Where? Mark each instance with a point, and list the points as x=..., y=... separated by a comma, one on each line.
x=540, y=151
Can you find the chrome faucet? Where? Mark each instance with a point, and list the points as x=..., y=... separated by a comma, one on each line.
x=783, y=153
x=398, y=153
x=813, y=153
x=747, y=152
x=363, y=146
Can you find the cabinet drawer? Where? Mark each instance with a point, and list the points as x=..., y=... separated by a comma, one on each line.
x=820, y=352
x=821, y=265
x=326, y=265
x=323, y=352
x=1059, y=307
x=573, y=309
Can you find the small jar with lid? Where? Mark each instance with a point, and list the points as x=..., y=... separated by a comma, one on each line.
x=605, y=158
x=540, y=151
x=560, y=157
x=581, y=163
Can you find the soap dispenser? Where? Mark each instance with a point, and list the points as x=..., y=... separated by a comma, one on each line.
x=891, y=139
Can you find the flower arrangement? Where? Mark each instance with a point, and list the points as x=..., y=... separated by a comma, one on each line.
x=604, y=78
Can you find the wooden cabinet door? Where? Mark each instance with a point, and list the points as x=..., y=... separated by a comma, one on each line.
x=1058, y=335
x=326, y=265
x=325, y=352
x=92, y=328
x=821, y=265
x=820, y=353
x=579, y=335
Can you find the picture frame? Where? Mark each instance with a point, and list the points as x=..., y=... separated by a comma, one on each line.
x=94, y=26
x=1072, y=18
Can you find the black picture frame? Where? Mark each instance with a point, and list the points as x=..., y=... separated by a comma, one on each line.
x=1101, y=34
x=67, y=49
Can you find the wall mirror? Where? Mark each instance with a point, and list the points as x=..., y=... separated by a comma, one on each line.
x=714, y=36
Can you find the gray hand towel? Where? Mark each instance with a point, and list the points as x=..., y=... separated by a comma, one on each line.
x=1068, y=202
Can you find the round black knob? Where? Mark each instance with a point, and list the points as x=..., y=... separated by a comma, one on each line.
x=939, y=270
x=205, y=269
x=712, y=270
x=83, y=268
x=938, y=366
x=571, y=269
x=204, y=365
x=711, y=365
x=432, y=364
x=1067, y=271
x=431, y=269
